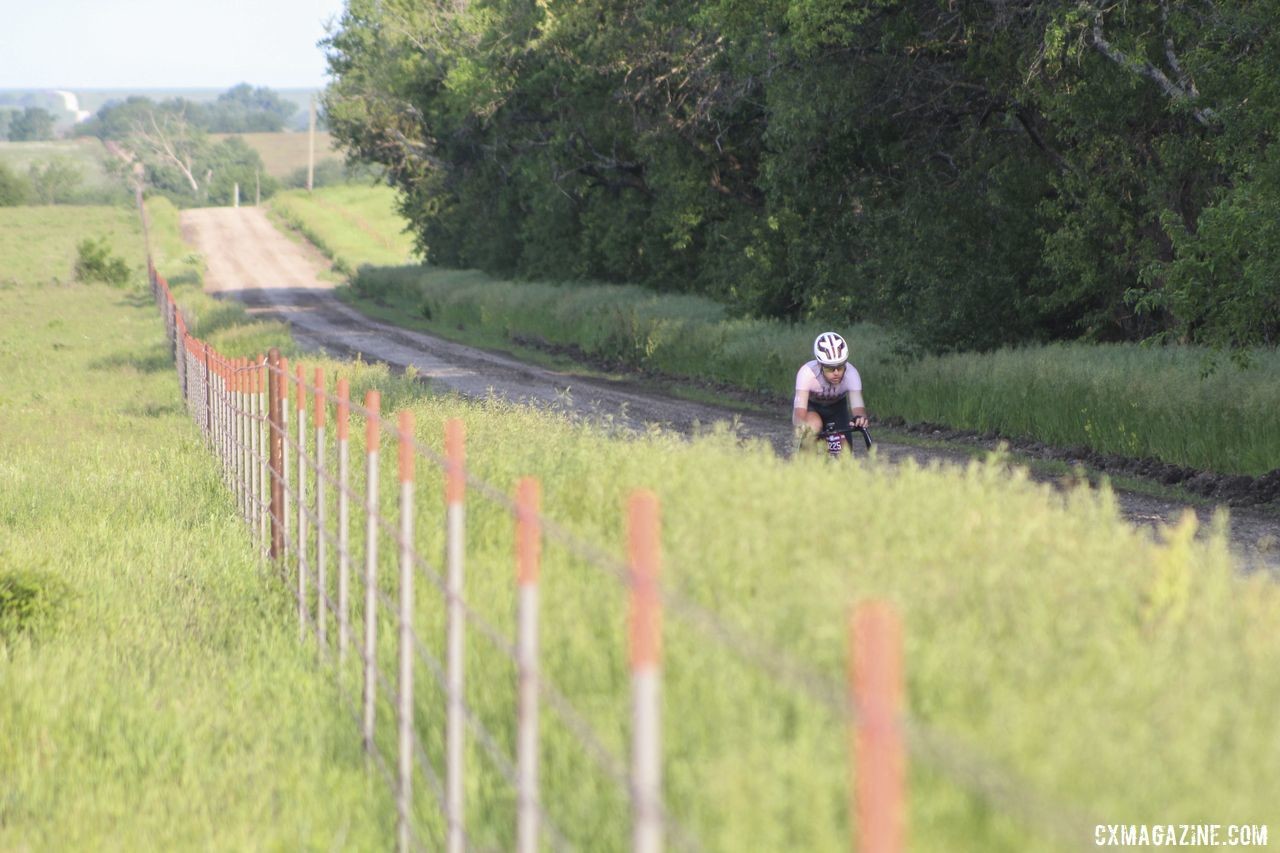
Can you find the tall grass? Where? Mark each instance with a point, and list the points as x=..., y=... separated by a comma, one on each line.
x=352, y=225
x=1105, y=673
x=153, y=694
x=1131, y=400
x=1126, y=399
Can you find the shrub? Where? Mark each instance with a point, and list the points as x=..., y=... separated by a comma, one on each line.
x=13, y=190
x=94, y=262
x=28, y=601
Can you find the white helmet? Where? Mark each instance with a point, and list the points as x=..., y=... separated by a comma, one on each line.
x=830, y=350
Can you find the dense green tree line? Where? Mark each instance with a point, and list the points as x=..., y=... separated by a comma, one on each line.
x=240, y=109
x=980, y=171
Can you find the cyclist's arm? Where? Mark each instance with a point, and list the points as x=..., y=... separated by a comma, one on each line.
x=857, y=409
x=800, y=407
x=802, y=418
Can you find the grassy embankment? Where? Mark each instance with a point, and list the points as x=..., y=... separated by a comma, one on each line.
x=153, y=694
x=1124, y=399
x=351, y=225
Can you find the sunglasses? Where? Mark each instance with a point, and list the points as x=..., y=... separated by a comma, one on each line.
x=837, y=369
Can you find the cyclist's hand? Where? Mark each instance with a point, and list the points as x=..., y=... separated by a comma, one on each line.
x=861, y=421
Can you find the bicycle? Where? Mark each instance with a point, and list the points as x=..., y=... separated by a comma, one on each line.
x=838, y=439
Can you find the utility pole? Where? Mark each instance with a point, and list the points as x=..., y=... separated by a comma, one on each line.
x=257, y=191
x=311, y=144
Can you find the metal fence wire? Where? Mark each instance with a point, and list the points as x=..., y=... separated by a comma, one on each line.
x=286, y=472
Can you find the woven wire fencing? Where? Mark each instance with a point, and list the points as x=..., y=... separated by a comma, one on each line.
x=401, y=633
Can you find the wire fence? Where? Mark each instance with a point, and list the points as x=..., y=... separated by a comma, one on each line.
x=287, y=472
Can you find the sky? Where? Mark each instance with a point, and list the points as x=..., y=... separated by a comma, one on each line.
x=163, y=44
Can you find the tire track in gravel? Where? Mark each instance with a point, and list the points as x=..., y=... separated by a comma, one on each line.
x=248, y=259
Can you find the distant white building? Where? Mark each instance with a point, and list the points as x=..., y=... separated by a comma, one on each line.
x=71, y=104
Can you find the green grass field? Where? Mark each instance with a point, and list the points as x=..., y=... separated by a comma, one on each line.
x=154, y=693
x=38, y=244
x=85, y=155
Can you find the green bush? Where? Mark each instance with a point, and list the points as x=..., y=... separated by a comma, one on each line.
x=94, y=262
x=28, y=601
x=13, y=190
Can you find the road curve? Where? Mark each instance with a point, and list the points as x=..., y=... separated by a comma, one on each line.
x=276, y=277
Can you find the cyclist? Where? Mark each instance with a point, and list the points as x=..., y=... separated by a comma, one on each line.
x=828, y=390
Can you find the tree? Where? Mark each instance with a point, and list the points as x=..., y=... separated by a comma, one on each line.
x=169, y=147
x=31, y=125
x=232, y=162
x=243, y=109
x=116, y=120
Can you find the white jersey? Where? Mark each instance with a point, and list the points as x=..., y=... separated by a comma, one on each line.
x=811, y=383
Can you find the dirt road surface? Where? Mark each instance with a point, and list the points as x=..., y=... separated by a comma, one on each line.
x=280, y=278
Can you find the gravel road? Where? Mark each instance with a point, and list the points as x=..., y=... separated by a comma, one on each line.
x=277, y=277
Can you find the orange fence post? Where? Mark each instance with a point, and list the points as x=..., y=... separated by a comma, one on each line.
x=646, y=652
x=528, y=565
x=875, y=678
